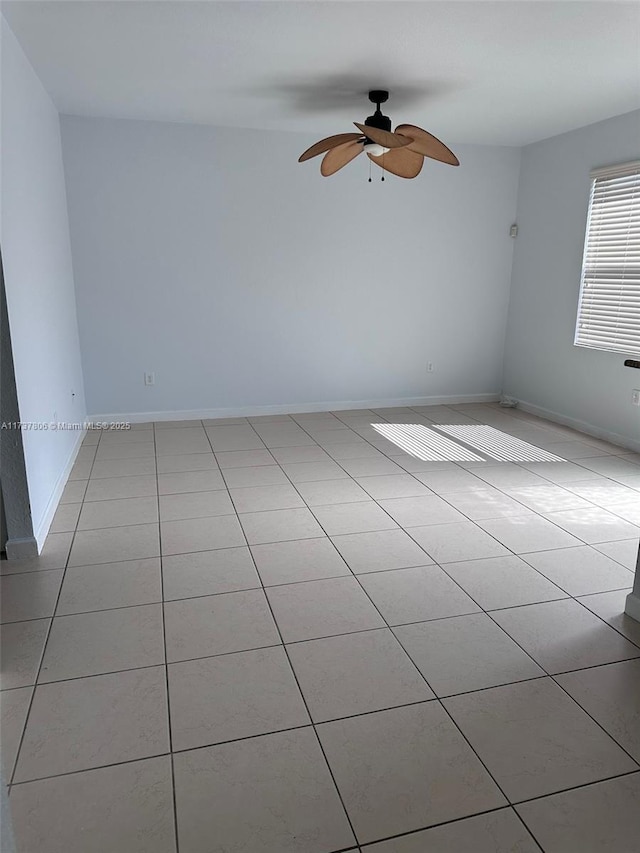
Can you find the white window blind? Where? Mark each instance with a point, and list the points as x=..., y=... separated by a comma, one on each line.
x=609, y=309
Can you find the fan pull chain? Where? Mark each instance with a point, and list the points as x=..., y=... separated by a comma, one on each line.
x=369, y=171
x=382, y=178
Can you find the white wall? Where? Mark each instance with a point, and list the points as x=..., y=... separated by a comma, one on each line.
x=34, y=237
x=243, y=279
x=542, y=367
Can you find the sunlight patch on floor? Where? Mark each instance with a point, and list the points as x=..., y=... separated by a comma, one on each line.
x=423, y=443
x=497, y=444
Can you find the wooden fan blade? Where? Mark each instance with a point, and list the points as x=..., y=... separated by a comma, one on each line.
x=427, y=144
x=338, y=157
x=383, y=137
x=401, y=162
x=327, y=144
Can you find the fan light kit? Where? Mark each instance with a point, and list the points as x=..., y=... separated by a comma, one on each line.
x=402, y=152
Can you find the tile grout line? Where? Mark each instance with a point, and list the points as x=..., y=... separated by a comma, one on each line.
x=67, y=773
x=545, y=674
x=415, y=832
x=166, y=663
x=522, y=555
x=602, y=619
x=565, y=597
x=577, y=787
x=554, y=677
x=310, y=725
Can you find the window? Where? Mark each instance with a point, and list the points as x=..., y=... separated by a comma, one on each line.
x=609, y=309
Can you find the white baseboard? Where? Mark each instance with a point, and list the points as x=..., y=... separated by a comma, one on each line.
x=21, y=549
x=291, y=408
x=582, y=426
x=632, y=606
x=54, y=500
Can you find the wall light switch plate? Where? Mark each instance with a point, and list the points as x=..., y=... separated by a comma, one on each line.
x=149, y=379
x=635, y=397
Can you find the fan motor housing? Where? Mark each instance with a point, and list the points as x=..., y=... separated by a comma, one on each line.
x=379, y=121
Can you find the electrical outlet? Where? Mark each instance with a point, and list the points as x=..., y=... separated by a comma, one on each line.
x=635, y=397
x=429, y=367
x=149, y=379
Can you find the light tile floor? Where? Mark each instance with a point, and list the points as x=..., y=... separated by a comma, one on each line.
x=392, y=631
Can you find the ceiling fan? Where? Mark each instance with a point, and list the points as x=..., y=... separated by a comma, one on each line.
x=402, y=152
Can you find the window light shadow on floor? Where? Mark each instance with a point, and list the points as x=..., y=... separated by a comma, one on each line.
x=497, y=444
x=424, y=443
x=462, y=443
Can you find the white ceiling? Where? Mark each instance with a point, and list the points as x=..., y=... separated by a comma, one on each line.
x=483, y=72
